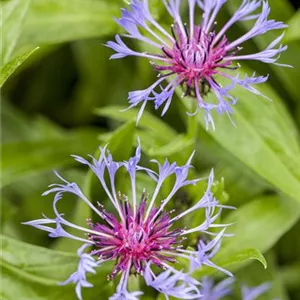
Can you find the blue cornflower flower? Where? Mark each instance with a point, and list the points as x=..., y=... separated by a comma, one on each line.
x=194, y=56
x=142, y=233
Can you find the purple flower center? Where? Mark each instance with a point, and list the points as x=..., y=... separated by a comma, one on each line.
x=194, y=59
x=135, y=241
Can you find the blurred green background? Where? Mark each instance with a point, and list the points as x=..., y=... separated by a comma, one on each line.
x=62, y=95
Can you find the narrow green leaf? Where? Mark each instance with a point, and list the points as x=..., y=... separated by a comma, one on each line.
x=239, y=179
x=13, y=14
x=260, y=224
x=17, y=126
x=51, y=266
x=147, y=121
x=121, y=141
x=14, y=286
x=159, y=140
x=27, y=276
x=32, y=273
x=56, y=21
x=293, y=33
x=22, y=159
x=177, y=145
x=8, y=69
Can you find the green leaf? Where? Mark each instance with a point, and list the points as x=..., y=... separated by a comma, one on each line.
x=7, y=213
x=178, y=149
x=159, y=140
x=48, y=267
x=57, y=21
x=241, y=183
x=31, y=23
x=17, y=287
x=257, y=226
x=121, y=141
x=293, y=33
x=17, y=126
x=264, y=139
x=22, y=159
x=147, y=121
x=8, y=69
x=32, y=273
x=289, y=77
x=260, y=224
x=177, y=145
x=13, y=15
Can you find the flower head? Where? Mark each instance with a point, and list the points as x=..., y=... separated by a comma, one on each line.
x=194, y=55
x=143, y=232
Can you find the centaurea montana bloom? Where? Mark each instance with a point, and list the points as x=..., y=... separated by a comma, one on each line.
x=194, y=55
x=211, y=291
x=142, y=233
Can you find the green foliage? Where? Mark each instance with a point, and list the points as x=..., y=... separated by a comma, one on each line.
x=31, y=23
x=274, y=149
x=31, y=272
x=293, y=31
x=28, y=158
x=148, y=121
x=260, y=223
x=9, y=68
x=80, y=18
x=13, y=14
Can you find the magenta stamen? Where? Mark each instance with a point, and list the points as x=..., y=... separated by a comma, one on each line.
x=135, y=240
